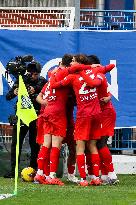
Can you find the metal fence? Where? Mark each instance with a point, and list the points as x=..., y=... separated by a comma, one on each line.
x=95, y=19
x=124, y=138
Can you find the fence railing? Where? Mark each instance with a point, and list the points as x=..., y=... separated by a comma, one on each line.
x=95, y=19
x=124, y=139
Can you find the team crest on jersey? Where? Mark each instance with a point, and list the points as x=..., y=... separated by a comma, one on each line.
x=26, y=102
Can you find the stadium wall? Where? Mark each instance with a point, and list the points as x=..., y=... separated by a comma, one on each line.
x=36, y=3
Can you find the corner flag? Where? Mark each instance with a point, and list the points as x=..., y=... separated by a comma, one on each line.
x=25, y=109
x=26, y=113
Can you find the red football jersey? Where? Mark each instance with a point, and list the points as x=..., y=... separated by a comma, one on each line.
x=57, y=99
x=86, y=97
x=99, y=80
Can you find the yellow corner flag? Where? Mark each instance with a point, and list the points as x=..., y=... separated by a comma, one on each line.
x=26, y=113
x=25, y=109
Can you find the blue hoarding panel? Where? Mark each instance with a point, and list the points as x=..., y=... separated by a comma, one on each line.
x=48, y=46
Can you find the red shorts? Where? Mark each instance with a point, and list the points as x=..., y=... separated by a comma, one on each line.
x=108, y=122
x=50, y=124
x=88, y=128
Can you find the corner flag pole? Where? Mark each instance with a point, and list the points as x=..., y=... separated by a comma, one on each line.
x=17, y=155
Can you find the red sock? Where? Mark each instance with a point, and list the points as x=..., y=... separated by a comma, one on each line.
x=46, y=168
x=95, y=161
x=43, y=153
x=81, y=165
x=88, y=163
x=103, y=169
x=106, y=158
x=71, y=168
x=54, y=159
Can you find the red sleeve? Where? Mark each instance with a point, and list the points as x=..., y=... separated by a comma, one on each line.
x=91, y=82
x=61, y=74
x=57, y=84
x=105, y=69
x=78, y=67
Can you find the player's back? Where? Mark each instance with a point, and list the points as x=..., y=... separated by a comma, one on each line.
x=87, y=98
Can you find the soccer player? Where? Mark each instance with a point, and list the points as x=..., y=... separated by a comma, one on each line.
x=52, y=125
x=60, y=73
x=108, y=121
x=52, y=131
x=69, y=140
x=87, y=127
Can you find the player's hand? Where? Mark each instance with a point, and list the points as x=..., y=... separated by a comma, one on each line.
x=45, y=102
x=105, y=99
x=16, y=91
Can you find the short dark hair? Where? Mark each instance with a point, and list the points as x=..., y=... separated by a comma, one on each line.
x=34, y=67
x=81, y=58
x=93, y=59
x=67, y=59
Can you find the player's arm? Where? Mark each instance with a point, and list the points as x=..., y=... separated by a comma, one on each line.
x=105, y=69
x=40, y=99
x=91, y=82
x=62, y=73
x=78, y=68
x=57, y=84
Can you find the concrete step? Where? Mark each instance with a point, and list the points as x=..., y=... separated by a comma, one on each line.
x=124, y=164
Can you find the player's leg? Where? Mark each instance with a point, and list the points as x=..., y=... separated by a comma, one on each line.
x=108, y=174
x=43, y=156
x=54, y=159
x=71, y=161
x=95, y=133
x=108, y=124
x=94, y=163
x=81, y=135
x=80, y=149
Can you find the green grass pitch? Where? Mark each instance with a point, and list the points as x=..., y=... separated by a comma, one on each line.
x=70, y=194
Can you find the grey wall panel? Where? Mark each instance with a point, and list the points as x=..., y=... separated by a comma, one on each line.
x=36, y=3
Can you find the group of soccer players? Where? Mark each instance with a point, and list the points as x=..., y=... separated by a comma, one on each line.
x=79, y=81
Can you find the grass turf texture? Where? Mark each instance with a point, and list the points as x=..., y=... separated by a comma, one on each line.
x=70, y=194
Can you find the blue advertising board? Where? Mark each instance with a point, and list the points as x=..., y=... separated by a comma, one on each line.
x=48, y=47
